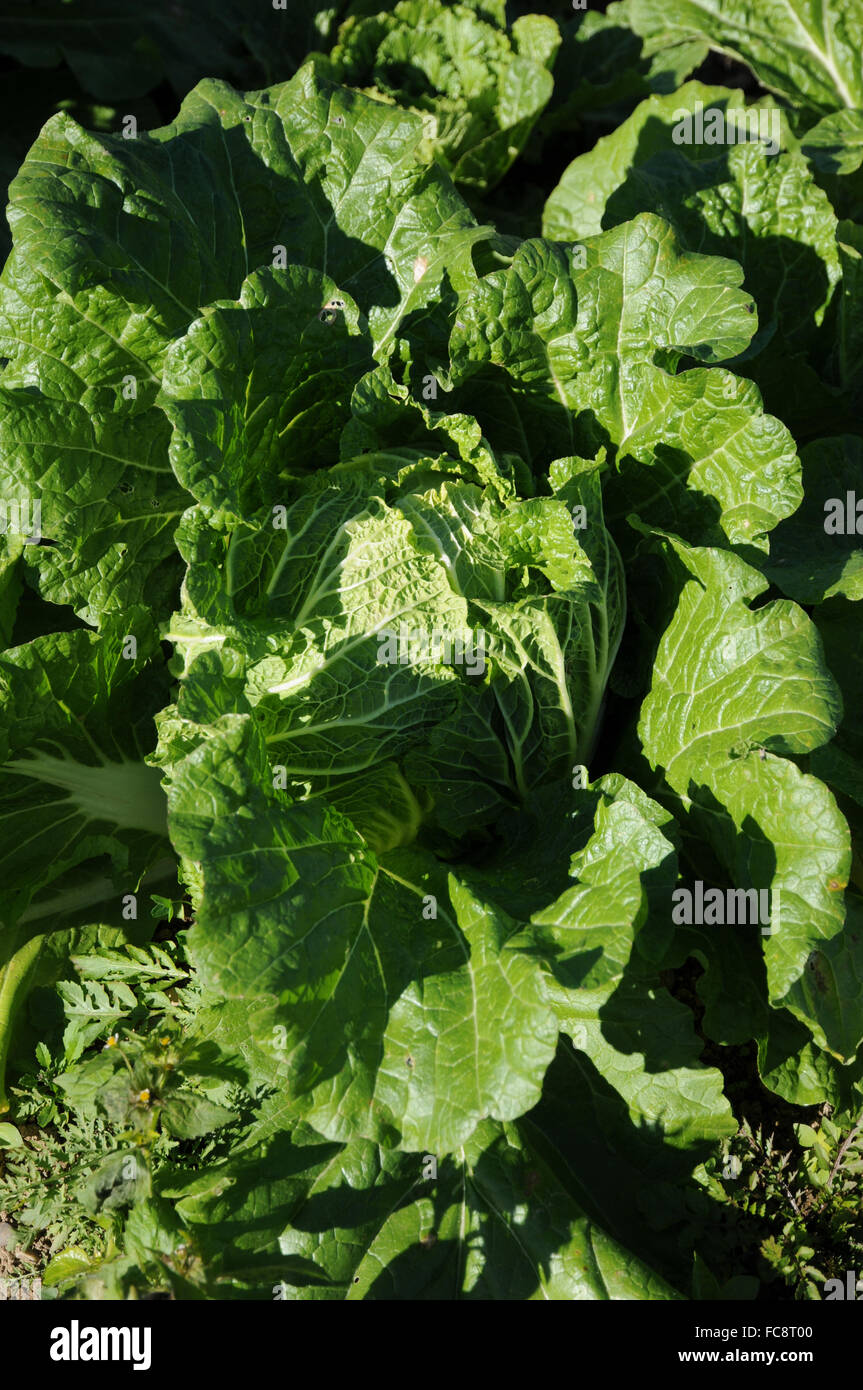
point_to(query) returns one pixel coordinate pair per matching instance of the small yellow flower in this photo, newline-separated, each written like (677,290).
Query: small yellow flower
(144,1097)
(164,1041)
(112,1041)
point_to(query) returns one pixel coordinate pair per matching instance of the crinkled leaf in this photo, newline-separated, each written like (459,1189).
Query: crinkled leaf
(555,357)
(746,200)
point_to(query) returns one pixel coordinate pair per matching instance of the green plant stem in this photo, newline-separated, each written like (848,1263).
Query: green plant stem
(13,982)
(843,1150)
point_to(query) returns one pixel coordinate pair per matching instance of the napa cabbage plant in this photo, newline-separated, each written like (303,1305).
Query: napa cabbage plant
(405,604)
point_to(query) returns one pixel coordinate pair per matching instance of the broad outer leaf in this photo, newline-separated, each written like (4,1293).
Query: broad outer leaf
(732,686)
(788,831)
(591,927)
(390,1022)
(795,1068)
(643,1044)
(491,1221)
(624,1171)
(807,51)
(120,243)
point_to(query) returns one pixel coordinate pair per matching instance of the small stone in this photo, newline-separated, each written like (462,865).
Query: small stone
(7,1236)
